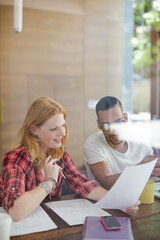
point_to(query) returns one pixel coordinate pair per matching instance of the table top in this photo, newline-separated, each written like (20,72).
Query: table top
(145,224)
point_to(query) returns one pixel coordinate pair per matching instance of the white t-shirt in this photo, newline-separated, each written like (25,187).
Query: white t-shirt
(96,149)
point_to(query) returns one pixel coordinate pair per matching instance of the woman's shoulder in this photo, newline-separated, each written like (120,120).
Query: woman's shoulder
(18,154)
(18,150)
(65,155)
(65,159)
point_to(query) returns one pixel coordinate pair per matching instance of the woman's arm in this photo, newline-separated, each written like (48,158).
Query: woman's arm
(97,193)
(27,202)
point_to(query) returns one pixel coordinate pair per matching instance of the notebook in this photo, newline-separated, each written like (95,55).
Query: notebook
(94,230)
(157,189)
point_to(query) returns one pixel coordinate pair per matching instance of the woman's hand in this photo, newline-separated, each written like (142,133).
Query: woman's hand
(50,168)
(133,209)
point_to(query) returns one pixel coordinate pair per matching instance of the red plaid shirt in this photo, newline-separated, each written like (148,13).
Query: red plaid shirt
(19,175)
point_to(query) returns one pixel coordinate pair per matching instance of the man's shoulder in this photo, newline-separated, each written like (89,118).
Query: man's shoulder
(141,147)
(137,144)
(95,138)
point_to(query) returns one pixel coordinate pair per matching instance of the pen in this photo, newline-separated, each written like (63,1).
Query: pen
(62,174)
(61,171)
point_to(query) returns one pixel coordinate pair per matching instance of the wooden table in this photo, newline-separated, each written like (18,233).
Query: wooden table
(145,225)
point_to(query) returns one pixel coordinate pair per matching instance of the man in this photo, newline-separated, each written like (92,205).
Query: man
(105,154)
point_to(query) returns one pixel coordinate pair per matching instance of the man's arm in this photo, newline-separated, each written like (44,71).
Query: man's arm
(103,174)
(106,179)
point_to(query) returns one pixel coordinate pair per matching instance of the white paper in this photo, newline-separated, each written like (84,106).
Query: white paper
(74,211)
(37,221)
(128,187)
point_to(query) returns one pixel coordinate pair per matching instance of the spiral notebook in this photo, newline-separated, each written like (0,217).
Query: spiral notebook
(157,189)
(94,230)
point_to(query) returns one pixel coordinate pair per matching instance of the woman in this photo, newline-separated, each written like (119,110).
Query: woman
(33,169)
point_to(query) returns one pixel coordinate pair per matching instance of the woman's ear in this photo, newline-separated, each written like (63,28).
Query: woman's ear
(125,117)
(33,129)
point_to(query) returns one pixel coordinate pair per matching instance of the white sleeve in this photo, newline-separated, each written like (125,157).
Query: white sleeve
(149,150)
(93,153)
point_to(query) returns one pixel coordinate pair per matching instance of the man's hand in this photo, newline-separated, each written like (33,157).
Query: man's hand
(156,170)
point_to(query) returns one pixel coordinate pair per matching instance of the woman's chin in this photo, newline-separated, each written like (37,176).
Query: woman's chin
(57,145)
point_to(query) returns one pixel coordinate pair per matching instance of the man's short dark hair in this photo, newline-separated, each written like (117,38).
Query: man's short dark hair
(106,103)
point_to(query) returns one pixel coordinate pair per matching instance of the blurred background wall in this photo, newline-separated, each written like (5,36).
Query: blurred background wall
(71,51)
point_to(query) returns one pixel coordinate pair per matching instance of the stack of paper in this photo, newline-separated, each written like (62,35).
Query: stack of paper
(74,211)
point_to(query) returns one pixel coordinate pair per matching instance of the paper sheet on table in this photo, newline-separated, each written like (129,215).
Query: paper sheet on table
(37,221)
(74,211)
(128,187)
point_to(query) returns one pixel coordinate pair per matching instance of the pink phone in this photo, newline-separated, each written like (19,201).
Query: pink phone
(110,223)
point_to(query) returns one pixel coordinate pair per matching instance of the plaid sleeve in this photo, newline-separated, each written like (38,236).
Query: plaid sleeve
(77,181)
(13,185)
